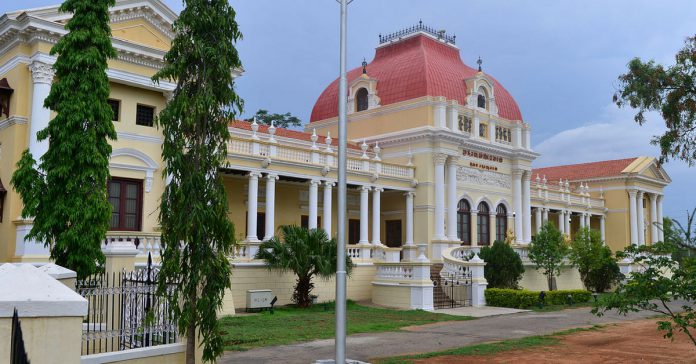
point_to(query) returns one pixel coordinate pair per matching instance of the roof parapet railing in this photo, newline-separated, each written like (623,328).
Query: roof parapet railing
(439,34)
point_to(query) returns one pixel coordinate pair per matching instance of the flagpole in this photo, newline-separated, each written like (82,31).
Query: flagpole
(341,231)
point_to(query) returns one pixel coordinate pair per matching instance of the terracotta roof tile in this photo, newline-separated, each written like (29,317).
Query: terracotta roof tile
(412,68)
(583,171)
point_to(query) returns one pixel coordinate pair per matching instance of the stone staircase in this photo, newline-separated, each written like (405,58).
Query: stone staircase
(440,299)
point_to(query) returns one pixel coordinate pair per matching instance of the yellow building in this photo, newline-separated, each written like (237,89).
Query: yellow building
(440,163)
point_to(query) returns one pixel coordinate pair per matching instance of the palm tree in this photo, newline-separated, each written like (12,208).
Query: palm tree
(307,253)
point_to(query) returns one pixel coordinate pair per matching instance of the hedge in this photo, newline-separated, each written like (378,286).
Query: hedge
(521,298)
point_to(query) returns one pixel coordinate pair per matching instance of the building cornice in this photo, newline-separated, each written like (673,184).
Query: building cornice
(13,120)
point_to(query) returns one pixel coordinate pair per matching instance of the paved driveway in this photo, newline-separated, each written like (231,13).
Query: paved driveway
(432,337)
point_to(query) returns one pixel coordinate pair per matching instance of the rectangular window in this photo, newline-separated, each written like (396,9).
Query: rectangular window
(304,221)
(393,233)
(126,198)
(353,231)
(483,132)
(115,107)
(260,225)
(145,115)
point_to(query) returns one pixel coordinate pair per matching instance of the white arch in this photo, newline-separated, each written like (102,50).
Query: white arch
(491,207)
(505,203)
(465,196)
(150,165)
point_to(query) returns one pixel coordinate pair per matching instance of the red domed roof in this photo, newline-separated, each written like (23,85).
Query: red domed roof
(415,67)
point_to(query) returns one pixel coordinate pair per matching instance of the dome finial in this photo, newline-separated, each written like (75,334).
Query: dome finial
(364,64)
(479,62)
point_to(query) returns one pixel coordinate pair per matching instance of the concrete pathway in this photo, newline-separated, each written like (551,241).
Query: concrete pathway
(432,337)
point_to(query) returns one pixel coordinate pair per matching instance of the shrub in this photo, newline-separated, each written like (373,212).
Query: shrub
(503,266)
(521,298)
(594,260)
(547,251)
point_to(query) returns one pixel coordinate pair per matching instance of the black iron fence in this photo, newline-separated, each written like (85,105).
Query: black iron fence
(450,291)
(18,355)
(125,311)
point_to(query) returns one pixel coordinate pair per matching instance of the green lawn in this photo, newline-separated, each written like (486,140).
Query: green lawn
(291,325)
(491,348)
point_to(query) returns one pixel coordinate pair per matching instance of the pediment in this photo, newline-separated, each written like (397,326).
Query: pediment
(140,31)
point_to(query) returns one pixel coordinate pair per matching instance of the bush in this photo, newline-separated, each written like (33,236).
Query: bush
(522,298)
(594,260)
(547,251)
(503,266)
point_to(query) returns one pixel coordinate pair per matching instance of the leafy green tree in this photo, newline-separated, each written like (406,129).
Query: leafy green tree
(66,193)
(671,91)
(649,288)
(595,262)
(504,267)
(197,236)
(547,251)
(307,253)
(286,120)
(681,235)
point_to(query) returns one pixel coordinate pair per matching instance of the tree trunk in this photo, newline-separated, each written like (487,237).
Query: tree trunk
(302,290)
(551,280)
(191,334)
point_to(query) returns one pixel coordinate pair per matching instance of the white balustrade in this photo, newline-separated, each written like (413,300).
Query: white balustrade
(353,252)
(403,272)
(145,242)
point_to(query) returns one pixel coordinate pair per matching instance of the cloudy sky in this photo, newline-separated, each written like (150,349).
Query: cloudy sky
(559,59)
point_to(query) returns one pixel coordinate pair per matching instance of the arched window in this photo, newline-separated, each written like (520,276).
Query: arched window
(500,222)
(361,99)
(483,224)
(464,222)
(481,100)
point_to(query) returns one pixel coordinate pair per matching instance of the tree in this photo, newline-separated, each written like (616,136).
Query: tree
(648,86)
(594,260)
(547,251)
(681,235)
(66,193)
(197,236)
(307,253)
(504,267)
(648,288)
(279,120)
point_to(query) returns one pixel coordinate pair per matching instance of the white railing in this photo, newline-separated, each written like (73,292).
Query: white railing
(522,252)
(455,262)
(145,242)
(394,271)
(353,253)
(240,251)
(315,157)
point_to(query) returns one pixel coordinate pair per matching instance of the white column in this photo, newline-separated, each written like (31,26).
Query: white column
(641,218)
(537,218)
(439,215)
(633,216)
(568,219)
(602,227)
(544,215)
(583,220)
(660,232)
(42,76)
(561,221)
(654,236)
(326,218)
(313,197)
(527,206)
(409,217)
(270,205)
(452,199)
(364,202)
(517,198)
(252,206)
(376,197)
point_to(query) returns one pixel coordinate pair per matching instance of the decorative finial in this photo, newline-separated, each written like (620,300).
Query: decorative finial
(364,64)
(314,139)
(271,132)
(254,129)
(377,149)
(410,158)
(327,140)
(364,147)
(420,21)
(479,62)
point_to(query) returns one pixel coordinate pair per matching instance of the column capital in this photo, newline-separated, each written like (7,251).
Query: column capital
(641,193)
(41,72)
(439,158)
(632,192)
(527,175)
(254,175)
(365,188)
(452,160)
(517,173)
(272,176)
(378,189)
(409,193)
(316,182)
(329,184)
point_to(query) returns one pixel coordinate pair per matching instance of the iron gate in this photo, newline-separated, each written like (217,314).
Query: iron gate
(450,291)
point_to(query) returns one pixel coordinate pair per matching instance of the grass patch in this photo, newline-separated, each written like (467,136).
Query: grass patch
(292,325)
(491,348)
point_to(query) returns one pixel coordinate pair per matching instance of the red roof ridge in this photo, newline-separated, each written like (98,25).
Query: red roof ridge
(587,170)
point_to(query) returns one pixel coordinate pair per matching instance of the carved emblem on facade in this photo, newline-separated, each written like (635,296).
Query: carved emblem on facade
(485,178)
